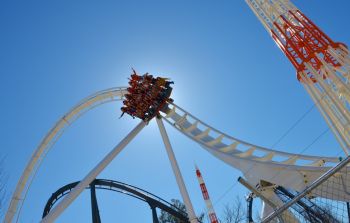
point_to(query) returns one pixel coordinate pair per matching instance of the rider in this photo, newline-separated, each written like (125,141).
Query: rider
(124,109)
(167,84)
(161,81)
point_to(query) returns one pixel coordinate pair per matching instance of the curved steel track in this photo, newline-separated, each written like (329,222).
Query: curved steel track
(111,185)
(290,170)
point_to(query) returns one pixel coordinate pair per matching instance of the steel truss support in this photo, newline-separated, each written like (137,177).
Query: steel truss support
(257,193)
(94,206)
(154,214)
(302,194)
(323,66)
(177,173)
(56,211)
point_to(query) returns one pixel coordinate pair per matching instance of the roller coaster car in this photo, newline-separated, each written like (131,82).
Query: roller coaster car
(146,96)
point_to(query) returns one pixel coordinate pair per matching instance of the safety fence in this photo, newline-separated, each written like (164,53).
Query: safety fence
(326,200)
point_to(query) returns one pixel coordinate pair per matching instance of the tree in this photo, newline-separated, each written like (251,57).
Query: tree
(165,217)
(234,213)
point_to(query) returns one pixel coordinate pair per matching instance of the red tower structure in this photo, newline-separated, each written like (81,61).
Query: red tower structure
(323,66)
(211,212)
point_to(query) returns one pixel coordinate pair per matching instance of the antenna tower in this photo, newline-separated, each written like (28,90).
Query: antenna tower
(211,212)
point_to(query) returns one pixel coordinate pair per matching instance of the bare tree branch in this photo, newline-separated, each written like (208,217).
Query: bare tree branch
(165,217)
(234,213)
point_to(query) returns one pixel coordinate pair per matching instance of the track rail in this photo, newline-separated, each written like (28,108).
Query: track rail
(51,137)
(257,163)
(210,137)
(286,169)
(123,188)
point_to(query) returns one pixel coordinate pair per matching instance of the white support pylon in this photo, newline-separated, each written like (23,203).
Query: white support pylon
(67,200)
(177,173)
(211,212)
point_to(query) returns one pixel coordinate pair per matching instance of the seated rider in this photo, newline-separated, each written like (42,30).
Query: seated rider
(161,81)
(148,77)
(168,92)
(124,109)
(133,84)
(167,84)
(151,111)
(131,90)
(127,96)
(135,77)
(131,111)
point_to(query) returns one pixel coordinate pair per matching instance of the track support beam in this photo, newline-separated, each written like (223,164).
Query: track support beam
(154,214)
(56,211)
(177,173)
(94,205)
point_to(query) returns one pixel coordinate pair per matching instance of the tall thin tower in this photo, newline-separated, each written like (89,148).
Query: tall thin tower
(323,66)
(211,212)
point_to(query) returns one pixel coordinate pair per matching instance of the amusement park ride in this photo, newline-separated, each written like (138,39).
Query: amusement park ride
(323,68)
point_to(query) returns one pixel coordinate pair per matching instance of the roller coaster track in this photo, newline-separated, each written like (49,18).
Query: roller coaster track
(292,171)
(111,185)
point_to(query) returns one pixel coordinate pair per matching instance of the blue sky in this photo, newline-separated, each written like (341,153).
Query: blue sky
(227,72)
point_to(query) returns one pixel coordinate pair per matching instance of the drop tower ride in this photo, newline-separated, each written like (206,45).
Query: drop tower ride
(322,65)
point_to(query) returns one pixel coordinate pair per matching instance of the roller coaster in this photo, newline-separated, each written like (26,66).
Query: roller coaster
(278,167)
(322,68)
(152,200)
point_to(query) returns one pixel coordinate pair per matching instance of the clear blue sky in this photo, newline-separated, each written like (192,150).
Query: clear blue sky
(226,68)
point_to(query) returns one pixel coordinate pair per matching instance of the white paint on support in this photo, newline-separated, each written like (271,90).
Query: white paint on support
(202,134)
(331,117)
(230,148)
(52,136)
(215,141)
(317,163)
(172,111)
(177,172)
(192,127)
(267,157)
(291,160)
(181,120)
(247,153)
(67,200)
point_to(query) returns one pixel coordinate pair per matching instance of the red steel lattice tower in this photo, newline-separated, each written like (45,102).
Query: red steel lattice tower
(323,66)
(211,212)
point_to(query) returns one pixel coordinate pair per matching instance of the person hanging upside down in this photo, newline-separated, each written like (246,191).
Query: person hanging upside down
(145,95)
